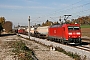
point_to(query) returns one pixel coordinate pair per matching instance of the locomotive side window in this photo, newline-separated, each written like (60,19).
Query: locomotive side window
(73,28)
(76,28)
(70,28)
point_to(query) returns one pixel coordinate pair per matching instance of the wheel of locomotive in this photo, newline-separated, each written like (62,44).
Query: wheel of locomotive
(48,38)
(62,41)
(55,39)
(80,42)
(66,42)
(59,40)
(52,39)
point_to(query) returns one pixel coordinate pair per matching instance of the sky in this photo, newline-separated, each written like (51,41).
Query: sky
(17,11)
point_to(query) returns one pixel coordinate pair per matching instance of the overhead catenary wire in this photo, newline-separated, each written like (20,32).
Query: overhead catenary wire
(79,13)
(61,9)
(76,7)
(68,9)
(71,7)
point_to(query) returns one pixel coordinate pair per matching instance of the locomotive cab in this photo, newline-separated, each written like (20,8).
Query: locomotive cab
(73,33)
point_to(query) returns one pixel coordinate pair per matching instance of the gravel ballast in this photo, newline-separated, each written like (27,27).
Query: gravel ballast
(80,52)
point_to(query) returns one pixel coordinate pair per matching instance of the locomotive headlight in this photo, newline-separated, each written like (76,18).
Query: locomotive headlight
(79,36)
(78,33)
(70,33)
(69,36)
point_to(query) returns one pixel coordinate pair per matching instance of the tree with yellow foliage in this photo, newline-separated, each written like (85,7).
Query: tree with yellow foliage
(47,23)
(2,20)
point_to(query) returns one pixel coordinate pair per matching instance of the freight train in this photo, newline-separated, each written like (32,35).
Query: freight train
(66,33)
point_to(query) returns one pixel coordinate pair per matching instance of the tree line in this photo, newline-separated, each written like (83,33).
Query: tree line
(84,20)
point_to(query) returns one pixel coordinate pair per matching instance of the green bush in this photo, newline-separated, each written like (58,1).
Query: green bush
(75,56)
(23,52)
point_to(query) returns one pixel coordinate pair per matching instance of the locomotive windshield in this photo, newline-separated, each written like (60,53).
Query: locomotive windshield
(73,28)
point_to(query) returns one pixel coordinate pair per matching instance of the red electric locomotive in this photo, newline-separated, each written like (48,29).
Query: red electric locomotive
(66,33)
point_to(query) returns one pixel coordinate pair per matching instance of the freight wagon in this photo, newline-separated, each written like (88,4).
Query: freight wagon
(32,31)
(21,31)
(41,32)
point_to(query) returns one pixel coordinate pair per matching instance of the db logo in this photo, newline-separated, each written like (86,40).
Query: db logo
(54,31)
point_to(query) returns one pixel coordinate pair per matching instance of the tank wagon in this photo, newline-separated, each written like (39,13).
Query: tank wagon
(42,32)
(66,33)
(32,30)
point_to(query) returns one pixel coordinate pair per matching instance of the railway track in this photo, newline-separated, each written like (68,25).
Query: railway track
(82,47)
(85,45)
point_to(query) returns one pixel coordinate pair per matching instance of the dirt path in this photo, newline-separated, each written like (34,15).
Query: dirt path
(41,52)
(5,50)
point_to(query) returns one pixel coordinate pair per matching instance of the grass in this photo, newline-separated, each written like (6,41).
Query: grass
(21,50)
(85,26)
(75,56)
